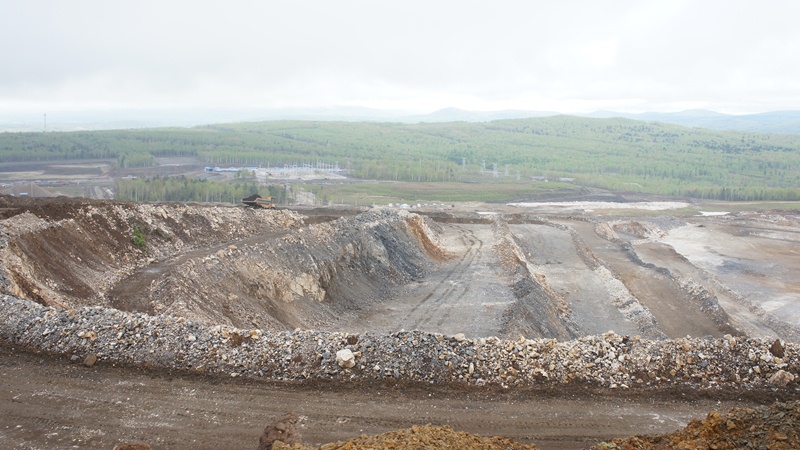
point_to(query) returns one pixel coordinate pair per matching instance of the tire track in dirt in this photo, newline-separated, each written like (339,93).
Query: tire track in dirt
(451,283)
(467,293)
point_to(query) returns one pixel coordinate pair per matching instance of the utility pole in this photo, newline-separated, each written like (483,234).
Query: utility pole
(45,124)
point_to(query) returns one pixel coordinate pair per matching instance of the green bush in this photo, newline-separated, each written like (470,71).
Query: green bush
(138,239)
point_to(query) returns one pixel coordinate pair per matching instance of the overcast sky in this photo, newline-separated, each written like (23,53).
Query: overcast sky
(740,56)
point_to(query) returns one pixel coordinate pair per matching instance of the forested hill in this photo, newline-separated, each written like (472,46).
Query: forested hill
(607,153)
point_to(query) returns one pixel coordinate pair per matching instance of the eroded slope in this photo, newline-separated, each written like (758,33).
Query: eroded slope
(386,270)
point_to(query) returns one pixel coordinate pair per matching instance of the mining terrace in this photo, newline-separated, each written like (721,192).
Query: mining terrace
(494,318)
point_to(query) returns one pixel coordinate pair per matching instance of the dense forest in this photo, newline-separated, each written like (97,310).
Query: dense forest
(617,154)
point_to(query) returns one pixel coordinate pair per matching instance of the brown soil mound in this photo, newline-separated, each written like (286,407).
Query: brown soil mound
(419,437)
(774,427)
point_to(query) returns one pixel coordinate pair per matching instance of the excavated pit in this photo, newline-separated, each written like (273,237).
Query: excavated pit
(462,300)
(385,270)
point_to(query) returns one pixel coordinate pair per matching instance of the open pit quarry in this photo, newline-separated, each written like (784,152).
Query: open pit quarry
(377,319)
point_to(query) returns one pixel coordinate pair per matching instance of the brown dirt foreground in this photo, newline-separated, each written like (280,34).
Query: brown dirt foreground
(774,427)
(427,436)
(48,402)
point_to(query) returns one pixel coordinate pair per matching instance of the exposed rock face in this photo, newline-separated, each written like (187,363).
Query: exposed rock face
(305,278)
(71,252)
(279,275)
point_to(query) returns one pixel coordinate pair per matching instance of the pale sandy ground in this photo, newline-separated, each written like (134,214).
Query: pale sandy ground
(593,206)
(757,261)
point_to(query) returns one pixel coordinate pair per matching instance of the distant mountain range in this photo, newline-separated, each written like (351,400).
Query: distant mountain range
(787,122)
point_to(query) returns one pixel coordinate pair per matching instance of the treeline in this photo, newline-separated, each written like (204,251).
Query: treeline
(182,189)
(607,153)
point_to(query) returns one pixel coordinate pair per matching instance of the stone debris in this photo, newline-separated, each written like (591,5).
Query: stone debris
(283,430)
(609,360)
(90,360)
(767,427)
(777,349)
(781,378)
(345,358)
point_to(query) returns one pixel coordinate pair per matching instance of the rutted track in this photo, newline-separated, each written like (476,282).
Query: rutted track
(466,294)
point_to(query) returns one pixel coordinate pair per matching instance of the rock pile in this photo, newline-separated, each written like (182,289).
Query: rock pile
(283,430)
(608,360)
(773,427)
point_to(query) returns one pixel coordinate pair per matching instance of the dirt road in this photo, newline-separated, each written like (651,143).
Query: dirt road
(48,402)
(466,294)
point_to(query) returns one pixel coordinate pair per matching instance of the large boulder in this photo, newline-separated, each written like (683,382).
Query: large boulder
(781,378)
(345,358)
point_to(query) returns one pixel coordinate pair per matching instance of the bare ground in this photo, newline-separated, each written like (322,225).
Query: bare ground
(740,273)
(467,293)
(48,402)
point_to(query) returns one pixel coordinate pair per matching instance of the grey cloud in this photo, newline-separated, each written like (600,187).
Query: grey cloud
(490,55)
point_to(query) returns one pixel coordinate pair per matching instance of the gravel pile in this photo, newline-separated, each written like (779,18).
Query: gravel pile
(609,360)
